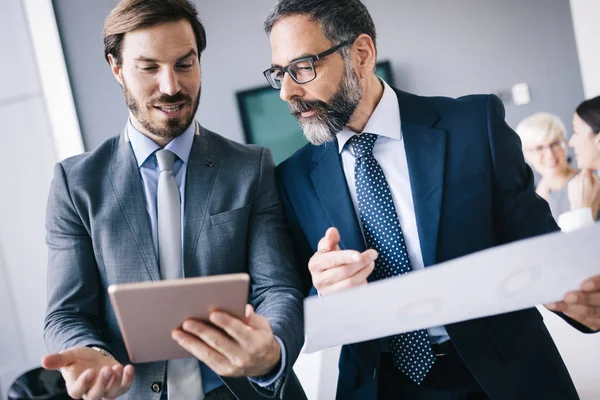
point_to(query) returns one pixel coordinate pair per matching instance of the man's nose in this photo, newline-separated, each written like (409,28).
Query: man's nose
(169,84)
(289,88)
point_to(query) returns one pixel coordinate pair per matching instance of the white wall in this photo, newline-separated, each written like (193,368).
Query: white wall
(26,159)
(436,47)
(580,352)
(11,345)
(587,32)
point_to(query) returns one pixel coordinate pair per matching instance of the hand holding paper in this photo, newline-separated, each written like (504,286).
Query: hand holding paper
(582,305)
(494,281)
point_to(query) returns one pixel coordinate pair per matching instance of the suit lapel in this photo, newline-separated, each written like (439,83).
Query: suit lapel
(331,187)
(425,152)
(202,170)
(127,185)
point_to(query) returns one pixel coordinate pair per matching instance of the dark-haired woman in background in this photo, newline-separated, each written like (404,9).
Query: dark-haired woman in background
(584,188)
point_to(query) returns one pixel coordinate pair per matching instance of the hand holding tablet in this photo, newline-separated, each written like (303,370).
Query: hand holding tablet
(148,312)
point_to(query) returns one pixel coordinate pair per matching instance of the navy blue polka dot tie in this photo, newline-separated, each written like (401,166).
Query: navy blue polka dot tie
(411,351)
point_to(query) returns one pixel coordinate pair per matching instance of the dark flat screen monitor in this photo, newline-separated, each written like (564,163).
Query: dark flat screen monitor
(267,120)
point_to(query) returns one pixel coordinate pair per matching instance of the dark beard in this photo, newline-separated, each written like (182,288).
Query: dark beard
(174,126)
(331,117)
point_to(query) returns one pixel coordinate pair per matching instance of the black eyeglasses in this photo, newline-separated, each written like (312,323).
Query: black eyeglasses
(301,70)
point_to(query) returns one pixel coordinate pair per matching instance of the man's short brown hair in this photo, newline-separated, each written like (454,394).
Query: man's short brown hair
(130,15)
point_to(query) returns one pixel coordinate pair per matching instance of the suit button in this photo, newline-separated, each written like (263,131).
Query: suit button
(156,387)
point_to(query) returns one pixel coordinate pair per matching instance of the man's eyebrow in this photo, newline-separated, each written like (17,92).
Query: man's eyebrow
(305,55)
(149,59)
(192,52)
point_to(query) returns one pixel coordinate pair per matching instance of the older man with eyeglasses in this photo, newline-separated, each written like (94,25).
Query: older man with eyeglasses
(397,182)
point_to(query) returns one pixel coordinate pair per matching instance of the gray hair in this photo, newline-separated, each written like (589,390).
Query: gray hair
(341,20)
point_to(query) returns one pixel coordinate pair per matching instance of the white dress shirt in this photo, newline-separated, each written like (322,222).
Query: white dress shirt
(575,219)
(390,154)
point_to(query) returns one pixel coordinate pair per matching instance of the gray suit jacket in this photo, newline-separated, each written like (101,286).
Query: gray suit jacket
(98,234)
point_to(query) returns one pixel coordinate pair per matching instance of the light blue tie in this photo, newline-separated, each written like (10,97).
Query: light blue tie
(411,351)
(184,380)
(169,218)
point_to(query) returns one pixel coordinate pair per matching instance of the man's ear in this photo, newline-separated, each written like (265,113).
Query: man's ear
(365,55)
(115,68)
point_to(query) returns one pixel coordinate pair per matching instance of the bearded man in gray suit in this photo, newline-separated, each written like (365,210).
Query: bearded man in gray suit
(104,227)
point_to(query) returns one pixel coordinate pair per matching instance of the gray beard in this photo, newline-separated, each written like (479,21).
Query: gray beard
(333,116)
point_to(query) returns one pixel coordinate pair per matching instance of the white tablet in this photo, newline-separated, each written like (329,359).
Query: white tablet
(147,312)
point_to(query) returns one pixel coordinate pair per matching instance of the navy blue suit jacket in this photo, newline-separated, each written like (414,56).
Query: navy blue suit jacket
(472,190)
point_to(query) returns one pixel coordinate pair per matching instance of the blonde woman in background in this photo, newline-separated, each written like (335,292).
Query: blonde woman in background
(544,139)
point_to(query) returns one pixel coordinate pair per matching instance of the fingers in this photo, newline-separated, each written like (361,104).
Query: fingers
(255,351)
(241,332)
(90,375)
(589,179)
(211,336)
(591,285)
(587,176)
(587,315)
(589,295)
(334,275)
(58,360)
(114,386)
(581,306)
(121,382)
(82,384)
(330,241)
(331,268)
(580,179)
(358,279)
(255,320)
(127,380)
(583,190)
(586,297)
(236,350)
(203,352)
(248,311)
(590,299)
(96,392)
(323,261)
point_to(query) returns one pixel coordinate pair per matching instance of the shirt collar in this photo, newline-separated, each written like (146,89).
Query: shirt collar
(143,147)
(385,120)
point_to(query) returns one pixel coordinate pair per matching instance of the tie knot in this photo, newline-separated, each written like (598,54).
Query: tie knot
(363,144)
(165,159)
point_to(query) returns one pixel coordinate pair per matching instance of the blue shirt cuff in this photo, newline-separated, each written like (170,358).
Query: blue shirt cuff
(267,380)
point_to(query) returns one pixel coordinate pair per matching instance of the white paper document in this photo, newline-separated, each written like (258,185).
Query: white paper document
(499,280)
